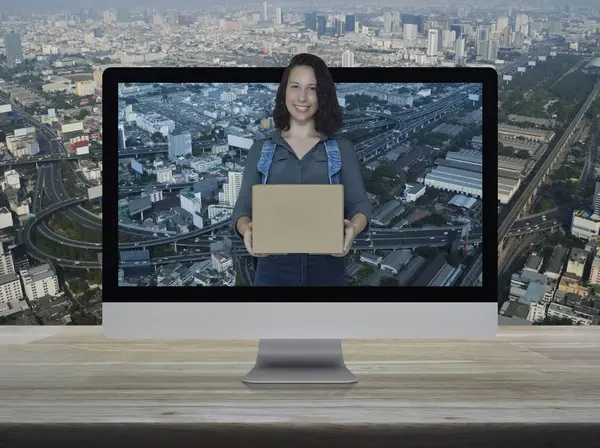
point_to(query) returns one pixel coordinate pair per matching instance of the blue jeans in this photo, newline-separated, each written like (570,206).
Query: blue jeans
(300,270)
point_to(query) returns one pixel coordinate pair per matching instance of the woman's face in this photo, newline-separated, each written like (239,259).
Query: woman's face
(301,93)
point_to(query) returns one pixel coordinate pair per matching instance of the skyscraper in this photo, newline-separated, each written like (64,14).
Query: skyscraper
(347,59)
(350,23)
(310,21)
(14,50)
(596,200)
(278,16)
(321,25)
(432,42)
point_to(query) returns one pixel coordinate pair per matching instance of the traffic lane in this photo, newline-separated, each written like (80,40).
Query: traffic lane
(50,234)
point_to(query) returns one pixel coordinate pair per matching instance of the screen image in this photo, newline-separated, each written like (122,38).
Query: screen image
(182,151)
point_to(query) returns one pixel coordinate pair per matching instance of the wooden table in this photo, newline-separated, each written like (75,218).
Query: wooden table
(528,375)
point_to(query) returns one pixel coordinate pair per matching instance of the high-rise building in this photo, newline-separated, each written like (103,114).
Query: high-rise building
(339,27)
(448,38)
(310,21)
(321,25)
(180,144)
(347,59)
(278,16)
(7,265)
(10,291)
(39,281)
(460,51)
(350,23)
(387,22)
(14,49)
(122,144)
(596,201)
(432,42)
(231,189)
(265,12)
(409,32)
(502,23)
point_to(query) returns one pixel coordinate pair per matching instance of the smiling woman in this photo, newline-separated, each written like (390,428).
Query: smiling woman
(304,149)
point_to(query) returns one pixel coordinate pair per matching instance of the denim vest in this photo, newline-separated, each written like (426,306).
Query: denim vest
(334,160)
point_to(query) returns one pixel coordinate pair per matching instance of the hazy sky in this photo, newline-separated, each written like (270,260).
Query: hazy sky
(76,5)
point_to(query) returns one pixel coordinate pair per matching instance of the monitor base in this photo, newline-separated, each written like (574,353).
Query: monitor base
(300,361)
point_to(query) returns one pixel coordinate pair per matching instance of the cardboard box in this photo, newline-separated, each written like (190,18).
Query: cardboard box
(298,219)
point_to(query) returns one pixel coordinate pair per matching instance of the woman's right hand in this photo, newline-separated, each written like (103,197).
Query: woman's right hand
(248,240)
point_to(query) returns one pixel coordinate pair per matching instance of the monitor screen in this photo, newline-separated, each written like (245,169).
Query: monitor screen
(182,149)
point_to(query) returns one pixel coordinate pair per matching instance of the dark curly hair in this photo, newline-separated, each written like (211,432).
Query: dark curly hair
(329,118)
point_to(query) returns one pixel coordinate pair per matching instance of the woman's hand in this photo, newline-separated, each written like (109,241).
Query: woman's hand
(248,240)
(349,235)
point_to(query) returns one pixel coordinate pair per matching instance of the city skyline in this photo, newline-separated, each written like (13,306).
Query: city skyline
(546,57)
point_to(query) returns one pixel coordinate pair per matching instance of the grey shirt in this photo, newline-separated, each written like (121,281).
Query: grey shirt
(286,168)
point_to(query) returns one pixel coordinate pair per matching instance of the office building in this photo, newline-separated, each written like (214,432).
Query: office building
(596,199)
(231,189)
(594,278)
(348,59)
(321,25)
(121,136)
(585,224)
(39,281)
(5,218)
(180,144)
(310,21)
(278,16)
(387,22)
(14,49)
(409,33)
(432,42)
(350,23)
(576,264)
(10,292)
(7,265)
(153,123)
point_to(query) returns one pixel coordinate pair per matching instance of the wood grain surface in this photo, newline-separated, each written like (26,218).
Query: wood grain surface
(74,375)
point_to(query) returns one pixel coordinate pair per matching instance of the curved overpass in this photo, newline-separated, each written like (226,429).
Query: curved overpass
(38,254)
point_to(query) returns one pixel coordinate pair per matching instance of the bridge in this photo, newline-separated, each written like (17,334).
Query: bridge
(32,250)
(381,238)
(34,160)
(408,239)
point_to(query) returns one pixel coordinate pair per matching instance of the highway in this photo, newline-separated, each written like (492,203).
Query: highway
(25,237)
(172,239)
(50,183)
(163,186)
(360,245)
(519,204)
(398,239)
(41,159)
(56,192)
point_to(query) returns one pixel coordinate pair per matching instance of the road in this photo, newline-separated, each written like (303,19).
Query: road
(408,238)
(25,237)
(519,204)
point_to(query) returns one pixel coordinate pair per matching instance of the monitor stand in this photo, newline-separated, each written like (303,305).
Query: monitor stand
(300,361)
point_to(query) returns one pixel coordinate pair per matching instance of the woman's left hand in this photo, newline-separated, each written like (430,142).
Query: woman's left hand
(349,235)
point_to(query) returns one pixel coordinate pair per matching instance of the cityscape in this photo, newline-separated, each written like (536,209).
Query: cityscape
(181,150)
(184,198)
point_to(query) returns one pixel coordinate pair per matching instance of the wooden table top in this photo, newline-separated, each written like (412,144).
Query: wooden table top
(526,375)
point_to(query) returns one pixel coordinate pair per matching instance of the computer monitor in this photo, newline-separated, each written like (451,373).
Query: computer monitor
(426,268)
